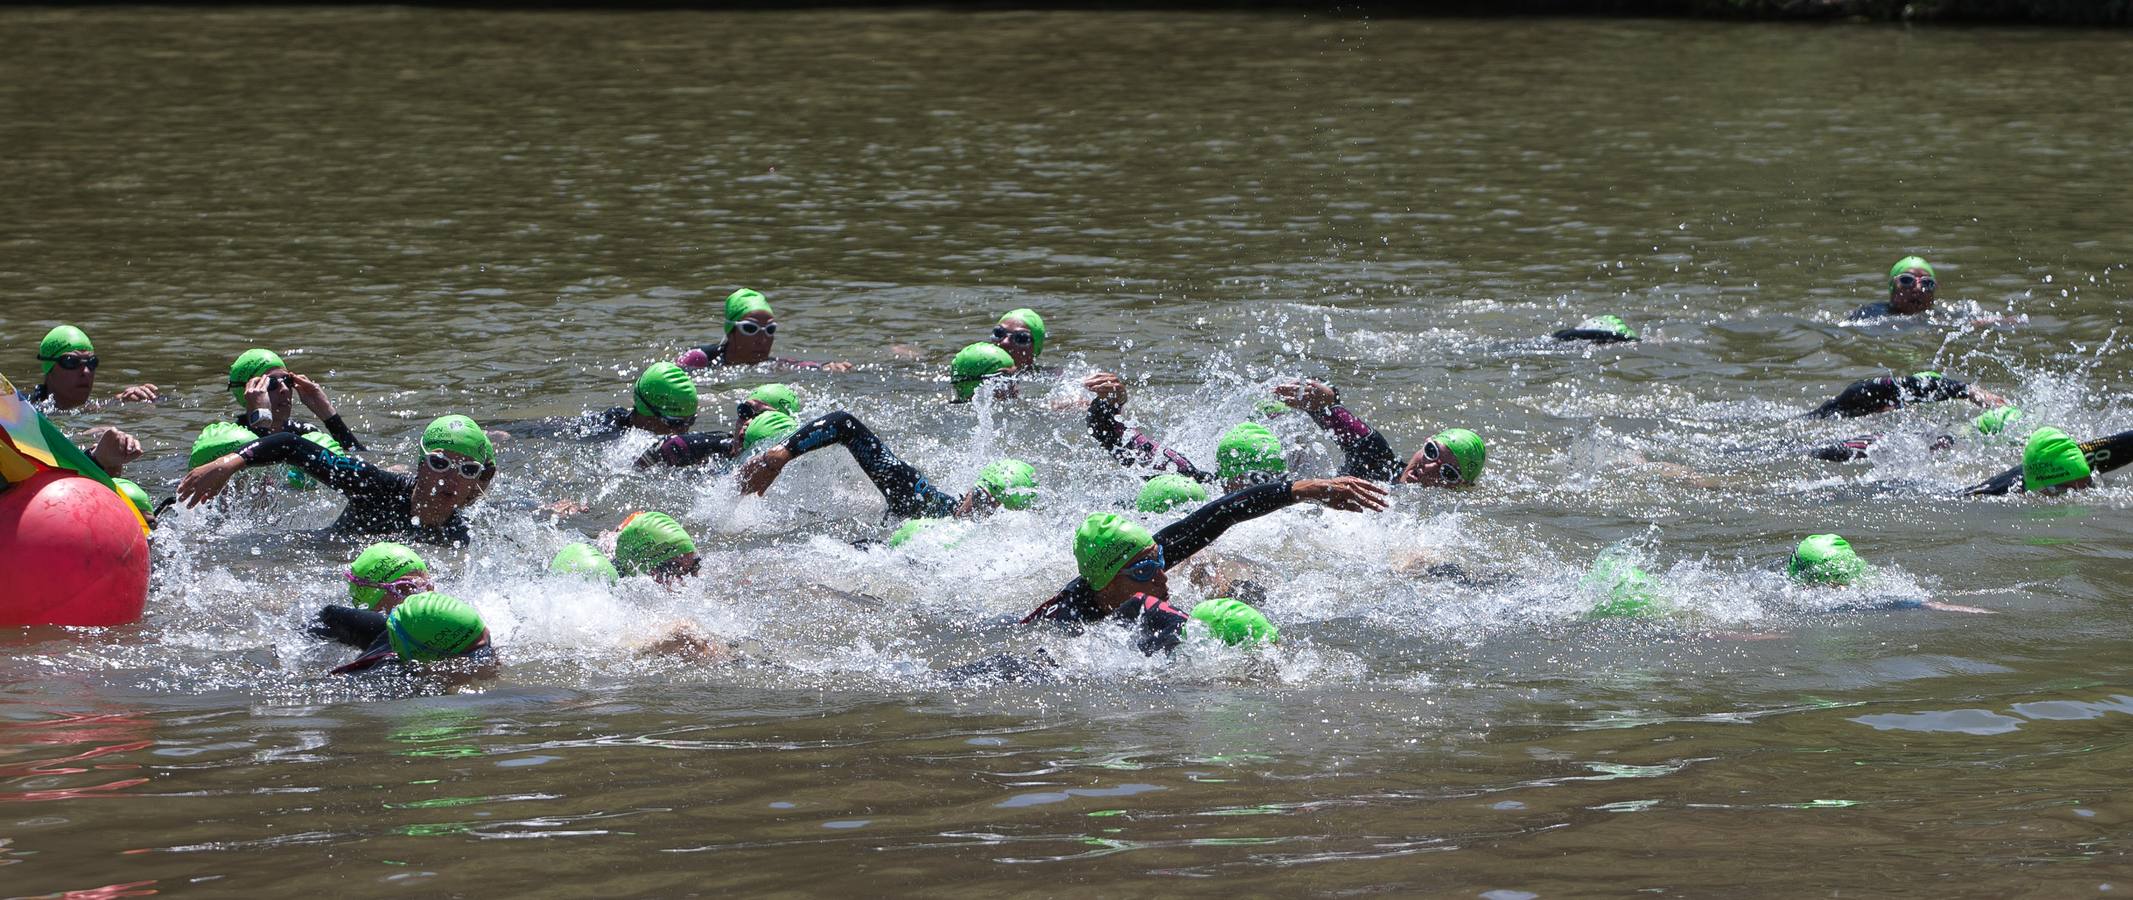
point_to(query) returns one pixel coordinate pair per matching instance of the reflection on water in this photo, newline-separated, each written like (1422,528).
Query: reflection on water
(509,215)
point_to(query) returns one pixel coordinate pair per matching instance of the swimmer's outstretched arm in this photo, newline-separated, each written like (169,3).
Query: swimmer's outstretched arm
(906,489)
(1136,449)
(692,449)
(1365,453)
(352,477)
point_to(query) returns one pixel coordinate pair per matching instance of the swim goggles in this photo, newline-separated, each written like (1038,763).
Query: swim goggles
(1445,470)
(1146,570)
(1908,281)
(749,327)
(1022,338)
(439,462)
(70,363)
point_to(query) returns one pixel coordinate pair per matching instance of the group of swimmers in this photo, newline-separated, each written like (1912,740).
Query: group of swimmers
(396,617)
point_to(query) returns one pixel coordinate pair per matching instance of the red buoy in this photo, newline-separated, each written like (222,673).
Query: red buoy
(71,553)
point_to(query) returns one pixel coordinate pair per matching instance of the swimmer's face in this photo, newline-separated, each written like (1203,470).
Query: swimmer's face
(71,387)
(977,504)
(744,347)
(1431,466)
(1156,586)
(1014,336)
(674,571)
(1913,292)
(2087,481)
(441,481)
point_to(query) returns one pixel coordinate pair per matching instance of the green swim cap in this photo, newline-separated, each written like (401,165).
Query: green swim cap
(1003,477)
(251,364)
(135,495)
(1270,407)
(298,478)
(1036,328)
(382,563)
(767,427)
(1993,421)
(1468,452)
(1248,447)
(910,529)
(1628,591)
(584,560)
(742,302)
(1608,323)
(431,626)
(460,435)
(2051,459)
(1235,622)
(975,363)
(1167,491)
(69,339)
(665,389)
(1825,559)
(1104,543)
(779,397)
(219,440)
(1906,263)
(648,541)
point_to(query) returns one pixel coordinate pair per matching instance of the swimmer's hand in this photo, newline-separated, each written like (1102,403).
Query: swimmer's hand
(314,397)
(255,392)
(1107,387)
(114,449)
(566,508)
(1345,493)
(836,367)
(1986,398)
(1950,607)
(139,393)
(1307,395)
(202,484)
(756,476)
(906,351)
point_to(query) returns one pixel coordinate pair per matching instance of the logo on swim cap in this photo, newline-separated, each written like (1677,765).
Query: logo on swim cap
(742,302)
(974,364)
(1247,448)
(1103,545)
(459,434)
(2051,459)
(665,389)
(432,626)
(1011,482)
(1825,559)
(1168,491)
(59,341)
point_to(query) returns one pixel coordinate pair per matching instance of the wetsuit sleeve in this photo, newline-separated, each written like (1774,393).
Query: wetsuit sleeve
(340,431)
(1846,450)
(703,357)
(346,474)
(693,449)
(1157,626)
(1366,454)
(357,628)
(1871,311)
(1137,449)
(906,489)
(1861,398)
(1932,389)
(1193,533)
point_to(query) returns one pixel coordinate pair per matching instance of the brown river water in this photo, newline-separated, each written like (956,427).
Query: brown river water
(508,215)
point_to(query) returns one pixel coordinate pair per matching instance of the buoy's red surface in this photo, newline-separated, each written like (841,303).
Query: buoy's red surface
(71,553)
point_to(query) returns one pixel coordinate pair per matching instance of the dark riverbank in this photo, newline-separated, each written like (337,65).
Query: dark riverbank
(2041,12)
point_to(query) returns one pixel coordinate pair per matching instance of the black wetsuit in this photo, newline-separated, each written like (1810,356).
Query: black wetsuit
(1877,395)
(1158,626)
(335,428)
(1595,335)
(694,448)
(1852,448)
(909,494)
(379,502)
(1881,310)
(358,628)
(380,652)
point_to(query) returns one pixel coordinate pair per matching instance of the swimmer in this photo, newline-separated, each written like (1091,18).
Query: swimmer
(700,447)
(1911,287)
(266,387)
(1005,483)
(382,577)
(750,331)
(1123,568)
(979,364)
(1021,334)
(1990,424)
(1828,560)
(1869,396)
(70,374)
(458,462)
(1453,457)
(585,561)
(427,628)
(1599,330)
(663,402)
(2053,464)
(653,543)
